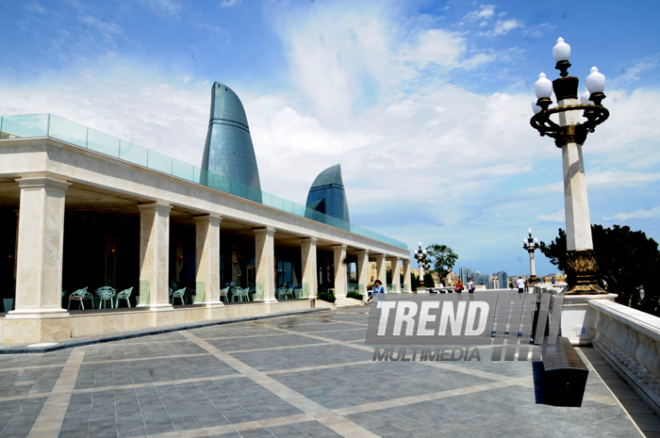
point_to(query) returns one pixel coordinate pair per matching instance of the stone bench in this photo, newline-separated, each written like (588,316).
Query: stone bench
(565,374)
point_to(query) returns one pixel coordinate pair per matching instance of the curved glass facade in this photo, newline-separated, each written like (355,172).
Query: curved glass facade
(327,194)
(228,150)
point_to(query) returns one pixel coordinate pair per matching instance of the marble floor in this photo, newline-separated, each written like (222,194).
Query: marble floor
(306,375)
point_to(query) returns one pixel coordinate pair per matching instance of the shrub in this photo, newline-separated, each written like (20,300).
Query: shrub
(327,296)
(355,295)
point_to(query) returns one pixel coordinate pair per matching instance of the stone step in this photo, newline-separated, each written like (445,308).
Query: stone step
(348,302)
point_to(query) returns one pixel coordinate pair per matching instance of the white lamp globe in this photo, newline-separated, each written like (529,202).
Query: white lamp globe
(543,87)
(595,81)
(536,241)
(584,98)
(561,51)
(525,242)
(536,108)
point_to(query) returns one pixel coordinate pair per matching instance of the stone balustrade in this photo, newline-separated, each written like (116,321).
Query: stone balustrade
(629,340)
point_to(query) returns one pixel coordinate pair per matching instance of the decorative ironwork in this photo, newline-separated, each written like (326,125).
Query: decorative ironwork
(595,115)
(582,273)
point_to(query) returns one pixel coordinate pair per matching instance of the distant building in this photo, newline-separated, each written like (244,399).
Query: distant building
(228,151)
(502,280)
(327,194)
(478,278)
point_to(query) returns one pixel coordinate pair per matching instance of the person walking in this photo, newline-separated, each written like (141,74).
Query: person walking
(378,293)
(470,286)
(459,287)
(520,284)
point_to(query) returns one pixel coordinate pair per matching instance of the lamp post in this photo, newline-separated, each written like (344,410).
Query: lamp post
(424,265)
(569,135)
(530,245)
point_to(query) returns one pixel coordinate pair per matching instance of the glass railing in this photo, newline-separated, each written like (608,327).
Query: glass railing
(50,125)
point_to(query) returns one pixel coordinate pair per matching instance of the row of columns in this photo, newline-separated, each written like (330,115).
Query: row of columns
(41,242)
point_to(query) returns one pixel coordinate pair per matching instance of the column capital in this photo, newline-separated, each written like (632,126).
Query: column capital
(397,258)
(343,245)
(313,240)
(363,252)
(268,230)
(213,218)
(158,206)
(39,182)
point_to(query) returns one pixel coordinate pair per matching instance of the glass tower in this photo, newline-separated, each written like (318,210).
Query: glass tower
(228,150)
(327,194)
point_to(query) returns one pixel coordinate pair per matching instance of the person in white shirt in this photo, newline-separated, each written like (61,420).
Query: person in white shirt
(520,284)
(470,285)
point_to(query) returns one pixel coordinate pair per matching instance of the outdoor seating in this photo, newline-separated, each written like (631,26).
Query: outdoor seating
(80,295)
(223,294)
(124,295)
(179,294)
(289,293)
(281,293)
(240,294)
(106,293)
(565,375)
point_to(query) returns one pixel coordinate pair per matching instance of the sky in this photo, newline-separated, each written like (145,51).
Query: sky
(425,104)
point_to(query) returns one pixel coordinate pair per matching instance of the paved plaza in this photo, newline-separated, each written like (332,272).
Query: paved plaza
(297,376)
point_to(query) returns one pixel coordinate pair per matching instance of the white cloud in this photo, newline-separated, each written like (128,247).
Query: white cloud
(557,216)
(230,3)
(35,7)
(639,214)
(163,7)
(620,178)
(631,74)
(484,13)
(504,27)
(375,96)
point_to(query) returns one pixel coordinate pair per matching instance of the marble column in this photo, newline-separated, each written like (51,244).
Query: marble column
(309,269)
(40,248)
(363,271)
(264,248)
(207,258)
(407,280)
(341,280)
(154,256)
(396,276)
(381,270)
(16,244)
(581,263)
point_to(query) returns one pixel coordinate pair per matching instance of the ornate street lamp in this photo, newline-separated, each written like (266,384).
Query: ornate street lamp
(569,135)
(424,265)
(530,245)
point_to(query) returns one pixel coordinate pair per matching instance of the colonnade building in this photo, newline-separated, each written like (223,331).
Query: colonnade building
(82,209)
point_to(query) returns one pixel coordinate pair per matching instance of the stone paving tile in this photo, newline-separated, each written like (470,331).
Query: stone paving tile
(254,343)
(301,357)
(143,387)
(116,373)
(19,416)
(348,335)
(339,387)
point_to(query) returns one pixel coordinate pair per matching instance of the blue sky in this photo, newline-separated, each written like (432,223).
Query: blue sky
(426,105)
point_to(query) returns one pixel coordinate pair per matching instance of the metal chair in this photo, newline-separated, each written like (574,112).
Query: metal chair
(106,293)
(124,295)
(178,294)
(223,294)
(80,295)
(281,293)
(236,293)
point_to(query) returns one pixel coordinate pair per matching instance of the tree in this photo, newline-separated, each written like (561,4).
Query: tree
(443,259)
(628,264)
